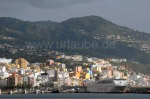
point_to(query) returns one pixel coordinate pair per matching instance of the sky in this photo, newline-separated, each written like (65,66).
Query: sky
(130,13)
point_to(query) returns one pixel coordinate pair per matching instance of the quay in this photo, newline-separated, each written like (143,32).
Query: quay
(73,89)
(139,90)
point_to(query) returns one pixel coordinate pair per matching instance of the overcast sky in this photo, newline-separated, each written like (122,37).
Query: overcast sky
(131,13)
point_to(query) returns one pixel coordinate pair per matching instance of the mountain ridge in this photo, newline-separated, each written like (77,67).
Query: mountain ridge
(129,42)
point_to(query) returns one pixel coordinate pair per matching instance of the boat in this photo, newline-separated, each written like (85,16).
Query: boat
(108,86)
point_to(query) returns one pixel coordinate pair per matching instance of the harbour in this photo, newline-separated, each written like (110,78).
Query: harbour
(76,96)
(76,89)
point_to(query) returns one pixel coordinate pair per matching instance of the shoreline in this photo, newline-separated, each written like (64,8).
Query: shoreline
(19,93)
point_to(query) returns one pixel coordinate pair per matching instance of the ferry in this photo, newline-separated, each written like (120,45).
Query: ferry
(108,86)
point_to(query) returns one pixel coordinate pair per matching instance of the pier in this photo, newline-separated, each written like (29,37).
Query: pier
(72,89)
(139,90)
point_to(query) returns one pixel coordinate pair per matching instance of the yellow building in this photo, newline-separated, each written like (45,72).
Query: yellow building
(87,76)
(21,63)
(34,67)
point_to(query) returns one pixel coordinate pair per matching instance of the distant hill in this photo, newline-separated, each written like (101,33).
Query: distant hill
(130,44)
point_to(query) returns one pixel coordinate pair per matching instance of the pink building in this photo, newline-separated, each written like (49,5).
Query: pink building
(32,80)
(78,69)
(49,62)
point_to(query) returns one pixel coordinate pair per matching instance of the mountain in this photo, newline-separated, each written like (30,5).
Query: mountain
(127,43)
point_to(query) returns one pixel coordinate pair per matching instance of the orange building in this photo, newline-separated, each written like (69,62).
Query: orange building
(77,74)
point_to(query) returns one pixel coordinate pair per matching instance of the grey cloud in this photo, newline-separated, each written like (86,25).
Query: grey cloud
(55,3)
(43,3)
(130,13)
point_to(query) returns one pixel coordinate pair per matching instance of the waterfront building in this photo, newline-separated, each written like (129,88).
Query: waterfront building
(44,77)
(76,74)
(32,80)
(14,80)
(86,76)
(25,79)
(60,79)
(13,70)
(3,72)
(51,72)
(4,75)
(2,69)
(74,81)
(67,81)
(21,71)
(3,83)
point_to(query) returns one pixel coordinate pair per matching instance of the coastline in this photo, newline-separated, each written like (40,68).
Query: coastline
(50,92)
(76,96)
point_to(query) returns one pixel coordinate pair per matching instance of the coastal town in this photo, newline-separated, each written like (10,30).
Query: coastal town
(19,75)
(74,49)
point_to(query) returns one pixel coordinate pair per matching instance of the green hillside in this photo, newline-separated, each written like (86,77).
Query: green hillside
(128,42)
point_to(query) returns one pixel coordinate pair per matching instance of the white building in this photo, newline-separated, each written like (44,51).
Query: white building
(5,60)
(3,72)
(77,57)
(139,80)
(4,75)
(118,60)
(21,71)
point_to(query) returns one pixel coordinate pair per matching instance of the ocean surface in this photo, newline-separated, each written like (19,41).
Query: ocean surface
(75,96)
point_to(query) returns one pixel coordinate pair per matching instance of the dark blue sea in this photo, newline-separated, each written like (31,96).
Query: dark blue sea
(75,96)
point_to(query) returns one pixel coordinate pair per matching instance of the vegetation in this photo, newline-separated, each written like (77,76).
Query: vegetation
(16,33)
